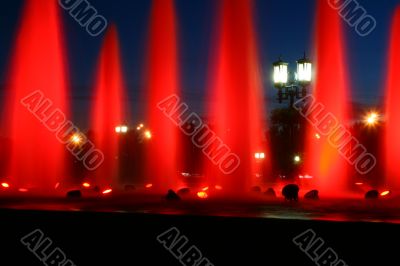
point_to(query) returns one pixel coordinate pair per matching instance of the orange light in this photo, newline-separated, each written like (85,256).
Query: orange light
(86,185)
(107,191)
(205,189)
(218,187)
(5,185)
(317,136)
(359,184)
(76,139)
(149,186)
(371,119)
(22,190)
(385,193)
(202,194)
(148,134)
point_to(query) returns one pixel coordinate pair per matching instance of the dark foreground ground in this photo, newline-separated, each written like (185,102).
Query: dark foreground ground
(117,231)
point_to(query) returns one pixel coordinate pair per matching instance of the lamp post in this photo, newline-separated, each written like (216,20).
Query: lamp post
(292,89)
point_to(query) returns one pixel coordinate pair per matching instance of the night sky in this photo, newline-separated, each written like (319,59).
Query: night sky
(284,27)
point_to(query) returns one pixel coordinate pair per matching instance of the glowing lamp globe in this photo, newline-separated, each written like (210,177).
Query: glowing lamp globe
(280,74)
(304,71)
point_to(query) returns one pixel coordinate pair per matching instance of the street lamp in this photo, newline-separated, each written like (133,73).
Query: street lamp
(121,129)
(297,159)
(76,139)
(304,71)
(280,74)
(147,134)
(259,155)
(296,89)
(372,119)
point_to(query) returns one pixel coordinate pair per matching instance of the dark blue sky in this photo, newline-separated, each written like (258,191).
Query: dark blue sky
(284,27)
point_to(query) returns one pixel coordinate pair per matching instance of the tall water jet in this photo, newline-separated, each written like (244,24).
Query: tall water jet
(38,63)
(236,98)
(323,160)
(162,82)
(108,112)
(391,147)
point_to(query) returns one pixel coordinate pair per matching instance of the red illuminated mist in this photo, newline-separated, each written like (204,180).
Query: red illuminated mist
(391,147)
(38,63)
(323,161)
(162,82)
(108,108)
(235,95)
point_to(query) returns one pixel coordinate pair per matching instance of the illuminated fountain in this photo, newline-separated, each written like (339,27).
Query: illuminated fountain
(38,64)
(391,147)
(108,109)
(323,160)
(162,82)
(237,108)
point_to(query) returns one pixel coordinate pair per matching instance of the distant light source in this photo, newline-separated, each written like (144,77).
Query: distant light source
(107,191)
(23,190)
(148,134)
(87,185)
(385,193)
(205,188)
(57,185)
(76,139)
(259,155)
(149,186)
(140,126)
(297,159)
(217,187)
(121,129)
(202,194)
(5,185)
(317,136)
(304,70)
(306,177)
(371,119)
(280,73)
(359,184)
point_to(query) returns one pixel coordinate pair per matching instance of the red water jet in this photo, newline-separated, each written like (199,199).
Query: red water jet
(162,82)
(38,63)
(391,147)
(324,161)
(108,108)
(235,96)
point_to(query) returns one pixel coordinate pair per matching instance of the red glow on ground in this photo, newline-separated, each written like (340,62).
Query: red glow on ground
(162,82)
(235,95)
(391,149)
(23,190)
(5,185)
(38,63)
(202,195)
(205,189)
(86,185)
(359,184)
(324,161)
(149,186)
(57,185)
(218,187)
(108,108)
(107,191)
